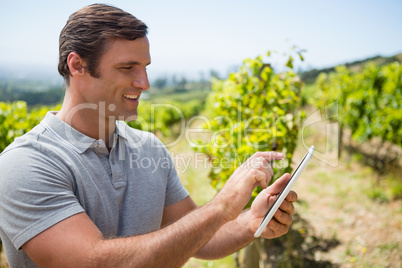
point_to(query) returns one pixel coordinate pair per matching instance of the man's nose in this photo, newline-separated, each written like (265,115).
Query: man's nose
(141,81)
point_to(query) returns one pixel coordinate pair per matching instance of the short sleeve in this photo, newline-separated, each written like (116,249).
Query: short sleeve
(175,191)
(35,193)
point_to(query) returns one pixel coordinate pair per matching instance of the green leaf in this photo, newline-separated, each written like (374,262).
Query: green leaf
(289,63)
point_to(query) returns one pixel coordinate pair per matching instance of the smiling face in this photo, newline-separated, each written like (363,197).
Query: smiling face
(122,79)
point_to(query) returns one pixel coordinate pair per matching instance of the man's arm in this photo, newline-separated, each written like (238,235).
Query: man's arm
(236,234)
(76,241)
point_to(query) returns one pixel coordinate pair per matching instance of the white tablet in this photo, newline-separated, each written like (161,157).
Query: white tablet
(282,195)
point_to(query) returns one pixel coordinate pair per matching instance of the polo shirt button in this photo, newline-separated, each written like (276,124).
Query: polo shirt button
(97,146)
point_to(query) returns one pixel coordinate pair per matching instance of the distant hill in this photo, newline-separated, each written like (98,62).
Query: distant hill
(310,76)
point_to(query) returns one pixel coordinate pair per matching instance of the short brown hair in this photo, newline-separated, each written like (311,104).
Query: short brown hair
(88,30)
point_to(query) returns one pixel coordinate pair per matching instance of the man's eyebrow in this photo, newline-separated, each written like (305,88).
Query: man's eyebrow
(133,63)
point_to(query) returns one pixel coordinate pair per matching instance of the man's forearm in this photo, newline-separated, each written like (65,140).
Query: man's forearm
(183,238)
(231,237)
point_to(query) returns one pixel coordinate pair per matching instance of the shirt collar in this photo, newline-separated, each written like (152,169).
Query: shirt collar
(121,129)
(71,137)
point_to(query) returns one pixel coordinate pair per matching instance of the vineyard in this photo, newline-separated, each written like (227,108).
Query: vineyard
(253,110)
(369,102)
(259,109)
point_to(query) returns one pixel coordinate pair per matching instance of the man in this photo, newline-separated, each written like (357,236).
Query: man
(73,191)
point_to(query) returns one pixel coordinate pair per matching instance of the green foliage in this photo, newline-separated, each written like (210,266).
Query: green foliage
(378,194)
(255,109)
(48,96)
(385,189)
(370,102)
(309,77)
(161,117)
(15,120)
(181,97)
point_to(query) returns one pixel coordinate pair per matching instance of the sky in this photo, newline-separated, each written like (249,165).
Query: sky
(193,37)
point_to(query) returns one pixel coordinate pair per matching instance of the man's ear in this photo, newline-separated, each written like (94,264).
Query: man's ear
(76,64)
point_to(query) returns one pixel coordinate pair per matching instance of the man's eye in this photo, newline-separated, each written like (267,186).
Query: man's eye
(126,67)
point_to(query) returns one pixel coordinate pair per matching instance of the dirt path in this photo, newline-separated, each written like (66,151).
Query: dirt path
(335,202)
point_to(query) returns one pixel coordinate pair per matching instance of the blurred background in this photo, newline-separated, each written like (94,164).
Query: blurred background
(192,38)
(332,78)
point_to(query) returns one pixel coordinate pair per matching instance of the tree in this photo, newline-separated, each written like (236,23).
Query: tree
(254,109)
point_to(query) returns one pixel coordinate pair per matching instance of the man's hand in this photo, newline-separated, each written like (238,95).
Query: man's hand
(237,190)
(240,232)
(279,225)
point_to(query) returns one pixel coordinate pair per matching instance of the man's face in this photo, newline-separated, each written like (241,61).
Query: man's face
(122,79)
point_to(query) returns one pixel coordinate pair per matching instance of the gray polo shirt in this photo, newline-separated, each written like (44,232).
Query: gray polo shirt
(54,172)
